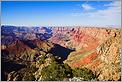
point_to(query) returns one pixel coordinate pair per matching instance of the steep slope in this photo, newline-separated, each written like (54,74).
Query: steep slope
(80,38)
(19,51)
(19,55)
(104,60)
(97,49)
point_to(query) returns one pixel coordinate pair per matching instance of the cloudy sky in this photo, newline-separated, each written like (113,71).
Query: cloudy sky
(85,13)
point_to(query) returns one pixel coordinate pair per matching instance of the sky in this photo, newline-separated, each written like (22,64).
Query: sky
(64,13)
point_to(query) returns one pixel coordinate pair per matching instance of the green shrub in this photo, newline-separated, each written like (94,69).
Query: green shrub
(84,73)
(28,77)
(55,72)
(27,73)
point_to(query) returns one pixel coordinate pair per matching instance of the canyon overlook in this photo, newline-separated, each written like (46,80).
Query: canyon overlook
(95,48)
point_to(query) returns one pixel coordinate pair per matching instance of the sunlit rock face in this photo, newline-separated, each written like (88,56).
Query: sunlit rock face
(79,37)
(95,48)
(102,53)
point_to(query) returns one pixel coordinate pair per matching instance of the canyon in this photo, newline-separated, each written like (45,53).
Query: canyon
(97,49)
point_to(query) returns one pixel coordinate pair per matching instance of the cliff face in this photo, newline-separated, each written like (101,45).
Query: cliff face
(97,49)
(103,58)
(80,38)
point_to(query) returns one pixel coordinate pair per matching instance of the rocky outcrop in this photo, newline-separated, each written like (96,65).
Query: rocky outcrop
(79,38)
(97,49)
(104,59)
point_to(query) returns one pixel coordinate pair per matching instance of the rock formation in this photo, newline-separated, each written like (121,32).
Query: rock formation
(97,49)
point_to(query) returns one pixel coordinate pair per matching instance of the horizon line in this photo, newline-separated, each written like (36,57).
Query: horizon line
(97,26)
